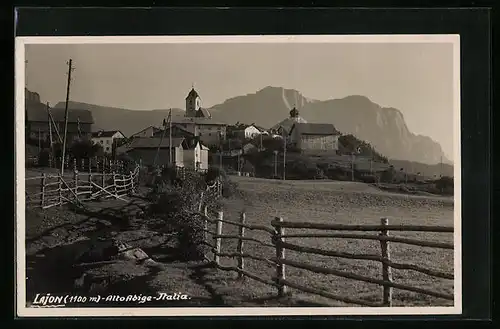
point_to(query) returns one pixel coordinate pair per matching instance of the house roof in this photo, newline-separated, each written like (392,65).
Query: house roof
(203,113)
(192,93)
(288,123)
(37,112)
(154,142)
(105,134)
(177,126)
(314,129)
(155,129)
(191,144)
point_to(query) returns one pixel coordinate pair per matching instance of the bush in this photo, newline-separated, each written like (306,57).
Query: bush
(229,188)
(445,185)
(178,207)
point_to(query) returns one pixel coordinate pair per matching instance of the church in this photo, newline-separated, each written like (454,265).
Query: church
(193,106)
(198,121)
(308,137)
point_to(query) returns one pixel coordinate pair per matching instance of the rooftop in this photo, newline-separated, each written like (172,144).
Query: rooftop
(106,134)
(315,129)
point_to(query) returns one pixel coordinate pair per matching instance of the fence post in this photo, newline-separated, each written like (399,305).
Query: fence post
(60,189)
(82,164)
(131,183)
(218,239)
(42,190)
(114,184)
(241,260)
(103,179)
(386,269)
(280,254)
(75,178)
(74,164)
(90,185)
(205,223)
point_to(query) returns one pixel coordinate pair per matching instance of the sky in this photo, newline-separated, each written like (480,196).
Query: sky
(416,78)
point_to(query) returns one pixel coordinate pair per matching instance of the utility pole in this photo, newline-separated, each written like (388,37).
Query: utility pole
(275,164)
(352,166)
(50,125)
(441,167)
(70,69)
(221,148)
(161,140)
(284,155)
(39,142)
(371,160)
(170,135)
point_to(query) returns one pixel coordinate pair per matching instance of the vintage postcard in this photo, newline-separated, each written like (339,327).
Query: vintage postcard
(238,175)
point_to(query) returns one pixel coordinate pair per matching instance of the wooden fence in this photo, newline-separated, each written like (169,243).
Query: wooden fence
(47,191)
(277,241)
(94,164)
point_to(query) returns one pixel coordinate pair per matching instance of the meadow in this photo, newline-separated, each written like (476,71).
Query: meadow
(341,203)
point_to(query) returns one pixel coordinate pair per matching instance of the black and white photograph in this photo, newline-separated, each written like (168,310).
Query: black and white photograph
(238,175)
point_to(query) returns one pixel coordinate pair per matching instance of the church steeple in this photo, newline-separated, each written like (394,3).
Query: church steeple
(193,102)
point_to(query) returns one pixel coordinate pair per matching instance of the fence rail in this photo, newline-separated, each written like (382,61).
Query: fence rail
(277,241)
(54,190)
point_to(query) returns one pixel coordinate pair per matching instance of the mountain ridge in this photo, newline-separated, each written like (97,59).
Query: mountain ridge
(383,127)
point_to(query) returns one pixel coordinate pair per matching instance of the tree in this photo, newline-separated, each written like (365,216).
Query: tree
(85,149)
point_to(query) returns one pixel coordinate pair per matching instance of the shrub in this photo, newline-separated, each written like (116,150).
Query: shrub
(445,185)
(229,188)
(178,207)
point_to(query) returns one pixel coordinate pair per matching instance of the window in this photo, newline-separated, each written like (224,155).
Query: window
(107,148)
(101,142)
(107,142)
(209,134)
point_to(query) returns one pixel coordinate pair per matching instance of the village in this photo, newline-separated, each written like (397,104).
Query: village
(290,149)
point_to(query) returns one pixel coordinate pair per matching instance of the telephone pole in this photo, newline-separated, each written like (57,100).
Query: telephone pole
(284,155)
(50,131)
(352,166)
(441,167)
(170,134)
(70,63)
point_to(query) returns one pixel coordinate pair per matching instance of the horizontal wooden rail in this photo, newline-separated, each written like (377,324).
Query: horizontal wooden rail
(323,270)
(225,236)
(376,258)
(342,227)
(328,295)
(250,226)
(247,274)
(415,242)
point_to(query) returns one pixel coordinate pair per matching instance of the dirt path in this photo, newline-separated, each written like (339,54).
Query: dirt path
(58,236)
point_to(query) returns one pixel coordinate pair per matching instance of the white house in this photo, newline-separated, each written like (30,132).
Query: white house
(196,156)
(249,132)
(106,139)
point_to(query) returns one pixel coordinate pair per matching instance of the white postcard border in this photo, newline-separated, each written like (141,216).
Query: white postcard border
(23,311)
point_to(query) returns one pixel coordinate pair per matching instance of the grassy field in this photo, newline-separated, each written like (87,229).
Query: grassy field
(343,203)
(262,200)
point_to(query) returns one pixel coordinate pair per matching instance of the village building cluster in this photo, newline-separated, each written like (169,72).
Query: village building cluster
(191,141)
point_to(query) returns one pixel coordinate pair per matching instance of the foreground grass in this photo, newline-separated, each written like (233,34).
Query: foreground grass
(343,203)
